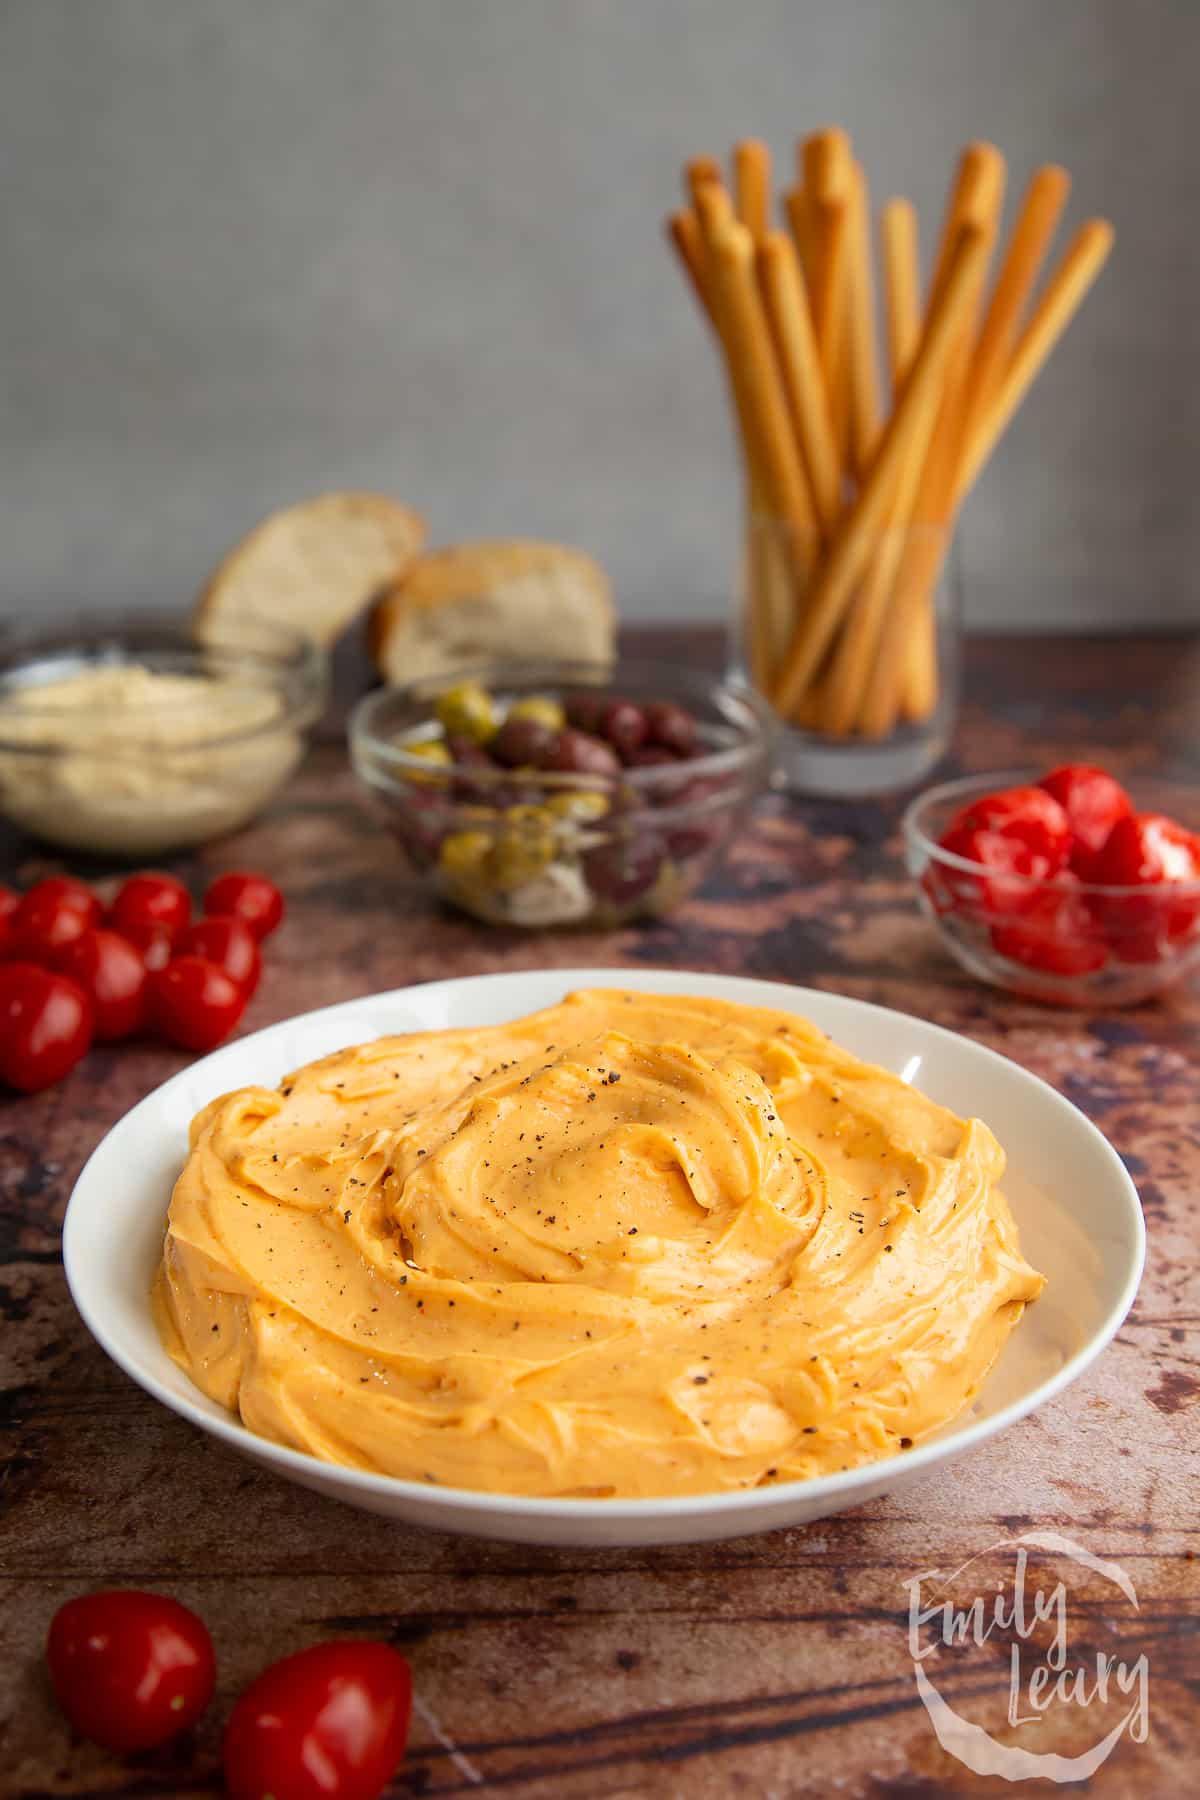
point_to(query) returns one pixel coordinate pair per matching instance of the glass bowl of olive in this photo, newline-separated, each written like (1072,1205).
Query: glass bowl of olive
(543,794)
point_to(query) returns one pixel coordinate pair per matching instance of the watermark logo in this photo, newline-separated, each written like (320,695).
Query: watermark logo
(1031,1618)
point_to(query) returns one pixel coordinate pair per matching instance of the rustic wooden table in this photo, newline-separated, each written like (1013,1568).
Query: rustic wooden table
(769,1666)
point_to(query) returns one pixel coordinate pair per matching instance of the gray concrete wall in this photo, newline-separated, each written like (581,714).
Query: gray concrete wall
(255,248)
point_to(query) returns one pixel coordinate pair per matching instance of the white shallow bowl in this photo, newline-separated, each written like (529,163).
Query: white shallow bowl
(1077,1210)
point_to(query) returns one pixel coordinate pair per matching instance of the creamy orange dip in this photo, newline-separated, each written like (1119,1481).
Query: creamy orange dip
(630,1245)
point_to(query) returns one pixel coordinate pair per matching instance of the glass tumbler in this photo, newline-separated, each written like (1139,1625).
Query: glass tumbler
(858,651)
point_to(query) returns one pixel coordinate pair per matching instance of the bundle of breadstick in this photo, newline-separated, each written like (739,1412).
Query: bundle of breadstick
(862,501)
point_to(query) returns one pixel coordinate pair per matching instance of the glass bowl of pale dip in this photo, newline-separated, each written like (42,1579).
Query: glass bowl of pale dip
(139,735)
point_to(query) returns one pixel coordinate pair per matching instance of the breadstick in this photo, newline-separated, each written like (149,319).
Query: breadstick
(1058,305)
(795,205)
(857,654)
(863,367)
(700,171)
(800,366)
(683,229)
(755,374)
(829,168)
(902,287)
(762,632)
(980,170)
(831,591)
(714,210)
(1045,197)
(977,195)
(752,185)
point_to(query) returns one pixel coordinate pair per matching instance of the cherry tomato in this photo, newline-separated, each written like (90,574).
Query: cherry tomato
(195,1003)
(113,975)
(1093,802)
(1029,814)
(9,901)
(152,943)
(329,1723)
(45,1025)
(130,1670)
(230,944)
(251,898)
(1056,934)
(1151,851)
(51,915)
(151,899)
(1013,872)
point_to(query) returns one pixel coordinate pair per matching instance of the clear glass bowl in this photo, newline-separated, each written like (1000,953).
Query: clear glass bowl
(511,846)
(121,764)
(1069,942)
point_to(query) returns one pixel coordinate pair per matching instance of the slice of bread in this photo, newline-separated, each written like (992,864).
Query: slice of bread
(314,565)
(508,597)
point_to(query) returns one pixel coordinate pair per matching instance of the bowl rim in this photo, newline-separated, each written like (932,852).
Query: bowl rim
(753,755)
(297,671)
(841,1487)
(962,788)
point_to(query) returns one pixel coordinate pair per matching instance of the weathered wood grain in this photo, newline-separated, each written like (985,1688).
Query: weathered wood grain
(774,1666)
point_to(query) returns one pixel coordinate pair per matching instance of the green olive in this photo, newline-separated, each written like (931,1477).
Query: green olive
(430,750)
(521,852)
(582,807)
(526,818)
(540,709)
(464,853)
(468,710)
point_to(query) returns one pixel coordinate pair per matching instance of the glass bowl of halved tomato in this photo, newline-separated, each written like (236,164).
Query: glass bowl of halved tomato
(1060,886)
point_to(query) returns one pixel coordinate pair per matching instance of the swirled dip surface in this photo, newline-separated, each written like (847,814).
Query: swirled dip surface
(629,1245)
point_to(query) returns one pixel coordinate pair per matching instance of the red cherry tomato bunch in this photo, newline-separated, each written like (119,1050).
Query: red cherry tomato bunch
(72,974)
(132,1670)
(1048,859)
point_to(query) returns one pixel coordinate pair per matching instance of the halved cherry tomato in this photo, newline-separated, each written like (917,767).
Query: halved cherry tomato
(329,1723)
(151,898)
(1154,852)
(251,898)
(1013,872)
(230,944)
(1056,934)
(130,1670)
(51,915)
(1029,814)
(112,974)
(194,1003)
(45,1025)
(1093,802)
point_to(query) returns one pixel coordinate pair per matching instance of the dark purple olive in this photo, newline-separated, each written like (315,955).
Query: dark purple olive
(420,824)
(478,791)
(694,840)
(585,711)
(466,751)
(651,756)
(577,753)
(525,743)
(671,726)
(624,725)
(624,870)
